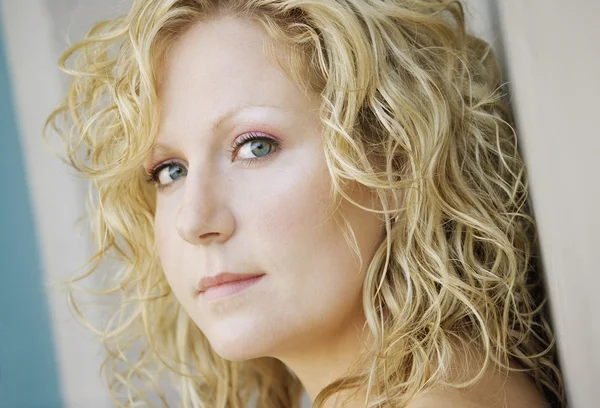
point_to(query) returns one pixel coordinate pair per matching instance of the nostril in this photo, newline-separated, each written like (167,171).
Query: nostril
(209,235)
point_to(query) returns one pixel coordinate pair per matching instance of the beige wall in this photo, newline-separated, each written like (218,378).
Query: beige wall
(553,58)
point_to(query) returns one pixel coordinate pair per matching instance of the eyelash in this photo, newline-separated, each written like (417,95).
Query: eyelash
(155,169)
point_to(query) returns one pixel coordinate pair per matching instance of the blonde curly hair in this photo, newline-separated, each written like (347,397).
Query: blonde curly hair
(413,108)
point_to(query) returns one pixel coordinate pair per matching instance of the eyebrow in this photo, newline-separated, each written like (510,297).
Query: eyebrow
(237,110)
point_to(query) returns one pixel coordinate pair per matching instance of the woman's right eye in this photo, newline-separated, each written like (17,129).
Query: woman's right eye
(167,173)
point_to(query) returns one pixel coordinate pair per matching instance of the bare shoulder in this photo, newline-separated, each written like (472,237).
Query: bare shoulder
(495,391)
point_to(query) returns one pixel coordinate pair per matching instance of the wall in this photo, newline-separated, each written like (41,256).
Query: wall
(26,346)
(553,61)
(35,33)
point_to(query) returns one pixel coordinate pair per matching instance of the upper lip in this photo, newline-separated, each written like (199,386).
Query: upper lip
(224,277)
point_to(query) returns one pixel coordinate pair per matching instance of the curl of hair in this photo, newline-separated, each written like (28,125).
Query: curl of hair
(412,108)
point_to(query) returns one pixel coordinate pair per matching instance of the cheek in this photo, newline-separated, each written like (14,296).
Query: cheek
(292,208)
(168,243)
(162,220)
(302,243)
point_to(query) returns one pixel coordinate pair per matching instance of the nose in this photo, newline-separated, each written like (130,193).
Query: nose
(204,217)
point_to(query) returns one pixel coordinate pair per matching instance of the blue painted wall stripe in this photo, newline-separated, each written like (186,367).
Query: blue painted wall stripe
(28,371)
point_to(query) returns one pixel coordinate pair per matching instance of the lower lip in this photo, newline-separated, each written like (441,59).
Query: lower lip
(230,289)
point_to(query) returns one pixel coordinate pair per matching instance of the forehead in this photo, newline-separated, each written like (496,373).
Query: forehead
(219,64)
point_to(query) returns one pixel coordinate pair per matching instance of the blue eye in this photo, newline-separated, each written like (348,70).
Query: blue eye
(167,173)
(253,147)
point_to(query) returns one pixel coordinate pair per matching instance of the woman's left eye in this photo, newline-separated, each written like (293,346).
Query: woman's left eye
(254,147)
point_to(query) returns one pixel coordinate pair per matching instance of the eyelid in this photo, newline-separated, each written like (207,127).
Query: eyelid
(251,136)
(155,165)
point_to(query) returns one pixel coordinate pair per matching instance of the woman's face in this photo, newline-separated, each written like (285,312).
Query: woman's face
(258,208)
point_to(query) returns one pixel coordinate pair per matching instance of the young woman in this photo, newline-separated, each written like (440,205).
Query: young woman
(308,196)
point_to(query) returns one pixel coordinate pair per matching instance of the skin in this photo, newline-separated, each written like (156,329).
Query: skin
(494,390)
(223,213)
(270,216)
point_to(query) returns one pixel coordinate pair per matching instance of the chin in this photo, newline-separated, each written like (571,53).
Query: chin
(239,345)
(236,351)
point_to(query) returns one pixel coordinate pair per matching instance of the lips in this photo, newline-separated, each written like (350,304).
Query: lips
(223,278)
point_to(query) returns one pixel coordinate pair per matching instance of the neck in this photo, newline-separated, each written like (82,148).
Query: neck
(318,364)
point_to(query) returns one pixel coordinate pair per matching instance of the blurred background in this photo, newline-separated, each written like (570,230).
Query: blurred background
(550,53)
